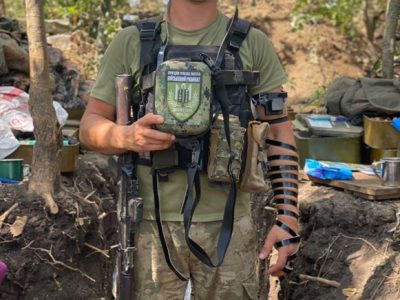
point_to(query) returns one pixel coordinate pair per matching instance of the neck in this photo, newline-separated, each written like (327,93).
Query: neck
(191,15)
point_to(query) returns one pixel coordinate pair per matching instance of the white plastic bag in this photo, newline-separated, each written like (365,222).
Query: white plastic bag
(14,109)
(8,142)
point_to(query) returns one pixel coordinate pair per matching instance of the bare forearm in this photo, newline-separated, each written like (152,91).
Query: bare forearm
(284,134)
(98,132)
(102,135)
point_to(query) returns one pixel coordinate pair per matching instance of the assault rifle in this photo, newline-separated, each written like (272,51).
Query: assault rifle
(130,205)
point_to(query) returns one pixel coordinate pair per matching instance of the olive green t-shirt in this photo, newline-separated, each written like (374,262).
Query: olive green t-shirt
(123,56)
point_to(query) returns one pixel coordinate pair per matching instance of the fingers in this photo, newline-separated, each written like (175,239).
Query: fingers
(149,120)
(145,138)
(276,269)
(146,125)
(157,136)
(276,235)
(267,248)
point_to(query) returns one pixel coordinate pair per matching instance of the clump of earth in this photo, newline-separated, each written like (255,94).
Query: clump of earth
(63,256)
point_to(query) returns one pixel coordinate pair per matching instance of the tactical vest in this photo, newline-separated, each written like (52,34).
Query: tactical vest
(229,97)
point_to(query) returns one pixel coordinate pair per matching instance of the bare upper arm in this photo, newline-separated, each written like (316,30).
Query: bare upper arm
(100,108)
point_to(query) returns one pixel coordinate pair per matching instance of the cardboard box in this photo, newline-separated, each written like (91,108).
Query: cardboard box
(69,156)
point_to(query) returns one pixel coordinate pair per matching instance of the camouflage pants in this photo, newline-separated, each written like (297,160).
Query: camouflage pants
(235,279)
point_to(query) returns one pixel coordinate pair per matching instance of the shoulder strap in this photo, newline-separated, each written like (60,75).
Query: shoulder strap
(149,30)
(240,30)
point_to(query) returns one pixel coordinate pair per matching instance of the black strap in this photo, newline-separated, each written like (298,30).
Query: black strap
(285,227)
(285,201)
(288,268)
(225,42)
(283,168)
(240,30)
(149,31)
(280,144)
(283,175)
(293,240)
(189,206)
(286,184)
(283,157)
(190,203)
(278,120)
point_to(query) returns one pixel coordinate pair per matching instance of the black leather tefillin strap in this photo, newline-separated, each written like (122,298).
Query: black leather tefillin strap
(285,188)
(278,120)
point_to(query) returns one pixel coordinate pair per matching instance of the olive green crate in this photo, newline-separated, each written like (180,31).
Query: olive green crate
(338,149)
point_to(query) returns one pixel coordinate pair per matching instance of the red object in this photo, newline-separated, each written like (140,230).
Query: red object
(3,270)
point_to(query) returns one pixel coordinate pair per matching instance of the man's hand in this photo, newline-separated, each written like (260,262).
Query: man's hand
(142,137)
(275,235)
(99,132)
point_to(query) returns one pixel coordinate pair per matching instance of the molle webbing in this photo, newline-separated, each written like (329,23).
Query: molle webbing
(192,53)
(228,77)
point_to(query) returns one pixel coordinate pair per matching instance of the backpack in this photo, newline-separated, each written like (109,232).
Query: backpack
(363,96)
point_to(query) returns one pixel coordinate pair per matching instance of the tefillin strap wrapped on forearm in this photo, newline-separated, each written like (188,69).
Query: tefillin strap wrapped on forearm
(284,177)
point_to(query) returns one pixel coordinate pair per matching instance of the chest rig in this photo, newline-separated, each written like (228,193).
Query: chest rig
(228,96)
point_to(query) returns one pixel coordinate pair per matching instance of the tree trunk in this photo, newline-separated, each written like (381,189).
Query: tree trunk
(371,19)
(47,150)
(101,39)
(389,39)
(2,8)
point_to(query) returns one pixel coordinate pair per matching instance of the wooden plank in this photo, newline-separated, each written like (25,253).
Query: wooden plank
(364,186)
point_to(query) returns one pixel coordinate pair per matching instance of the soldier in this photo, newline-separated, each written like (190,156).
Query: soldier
(139,51)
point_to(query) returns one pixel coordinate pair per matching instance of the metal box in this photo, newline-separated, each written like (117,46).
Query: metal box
(337,149)
(379,134)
